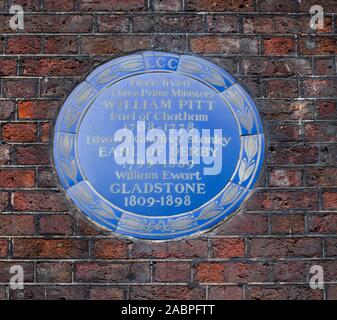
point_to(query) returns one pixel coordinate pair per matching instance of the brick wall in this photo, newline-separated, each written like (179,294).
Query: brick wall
(264,252)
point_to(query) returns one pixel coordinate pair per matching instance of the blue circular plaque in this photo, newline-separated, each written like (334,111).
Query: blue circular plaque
(158,146)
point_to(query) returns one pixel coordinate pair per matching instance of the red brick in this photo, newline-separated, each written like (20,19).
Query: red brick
(325,132)
(49,23)
(327,110)
(29,5)
(7,67)
(169,42)
(284,132)
(293,154)
(282,24)
(19,132)
(289,271)
(56,225)
(225,293)
(3,200)
(113,23)
(223,248)
(46,178)
(319,45)
(330,200)
(114,45)
(37,154)
(154,23)
(321,177)
(112,5)
(233,272)
(112,272)
(284,247)
(320,88)
(331,247)
(283,200)
(276,66)
(39,201)
(5,153)
(60,45)
(3,248)
(7,109)
(285,178)
(56,67)
(219,23)
(322,223)
(50,248)
(45,132)
(244,224)
(111,249)
(225,45)
(287,224)
(278,6)
(57,87)
(331,290)
(166,292)
(43,109)
(325,66)
(172,272)
(20,88)
(285,292)
(17,178)
(166,5)
(106,293)
(281,88)
(224,5)
(59,6)
(54,272)
(328,5)
(23,45)
(279,46)
(175,249)
(17,225)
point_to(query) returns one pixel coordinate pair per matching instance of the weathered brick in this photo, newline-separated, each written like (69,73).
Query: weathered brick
(322,223)
(39,201)
(330,200)
(278,6)
(6,275)
(45,130)
(56,87)
(321,177)
(331,247)
(46,178)
(223,248)
(224,45)
(225,293)
(172,272)
(114,45)
(166,5)
(61,45)
(50,248)
(8,67)
(17,225)
(106,293)
(3,248)
(284,132)
(175,249)
(20,88)
(281,88)
(19,132)
(283,247)
(285,292)
(56,225)
(325,132)
(5,154)
(112,272)
(328,153)
(233,272)
(327,110)
(325,66)
(110,249)
(279,46)
(285,178)
(7,109)
(319,45)
(17,178)
(113,23)
(30,155)
(167,292)
(225,5)
(43,109)
(3,200)
(283,200)
(220,23)
(60,5)
(289,271)
(55,272)
(112,5)
(56,67)
(287,224)
(23,45)
(155,23)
